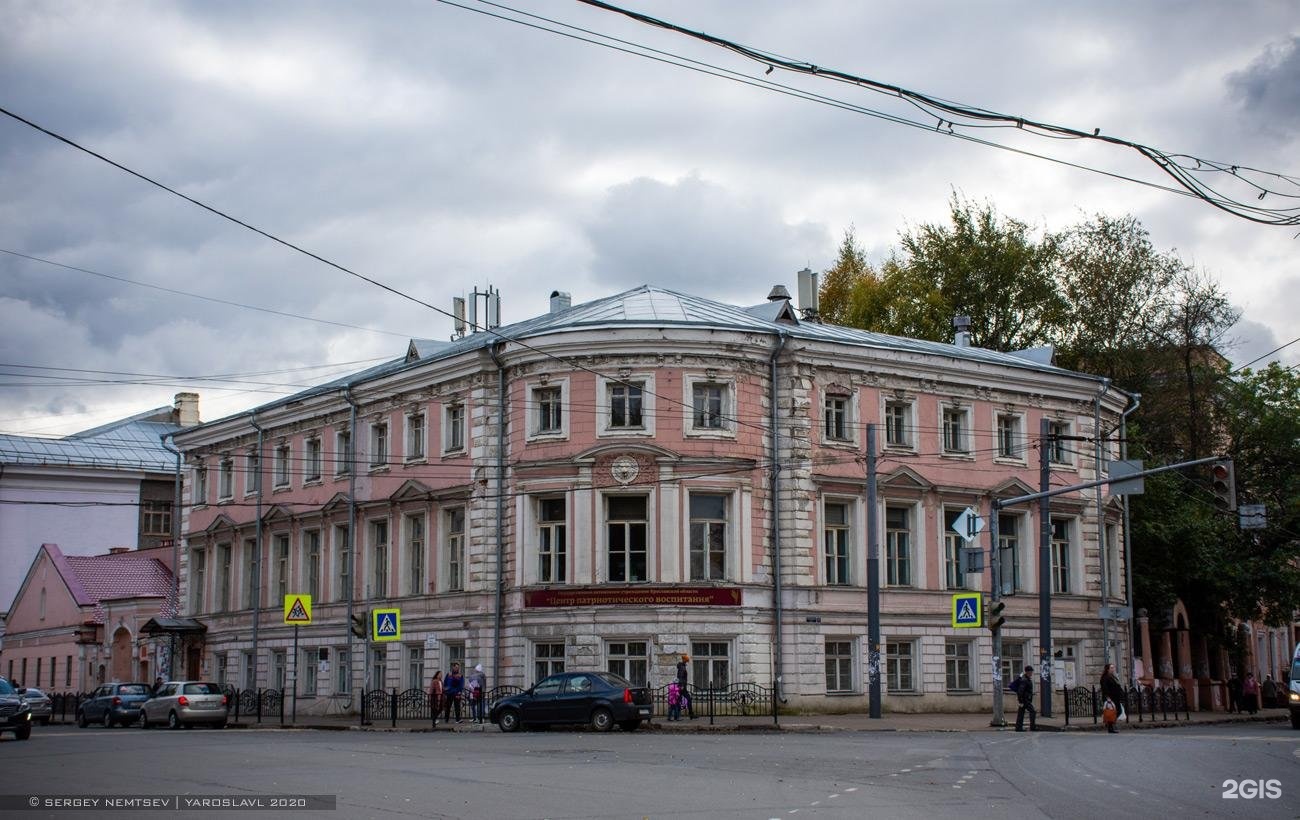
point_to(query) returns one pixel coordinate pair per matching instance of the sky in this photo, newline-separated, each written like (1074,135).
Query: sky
(438,148)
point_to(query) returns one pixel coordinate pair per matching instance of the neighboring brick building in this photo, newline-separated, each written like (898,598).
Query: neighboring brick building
(624,513)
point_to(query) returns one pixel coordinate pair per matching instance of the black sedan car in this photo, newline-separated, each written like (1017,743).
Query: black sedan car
(113,703)
(15,714)
(599,699)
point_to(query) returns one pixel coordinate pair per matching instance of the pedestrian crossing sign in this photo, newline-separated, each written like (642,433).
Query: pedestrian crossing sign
(966,610)
(297,610)
(386,624)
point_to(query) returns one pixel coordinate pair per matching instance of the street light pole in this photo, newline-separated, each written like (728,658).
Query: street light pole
(873,577)
(995,575)
(1045,568)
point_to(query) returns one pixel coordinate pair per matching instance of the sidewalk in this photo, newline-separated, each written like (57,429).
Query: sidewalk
(889,722)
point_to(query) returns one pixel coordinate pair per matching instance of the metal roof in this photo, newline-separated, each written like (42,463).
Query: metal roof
(133,443)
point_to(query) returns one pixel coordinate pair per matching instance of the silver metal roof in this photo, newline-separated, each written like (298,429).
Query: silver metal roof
(133,443)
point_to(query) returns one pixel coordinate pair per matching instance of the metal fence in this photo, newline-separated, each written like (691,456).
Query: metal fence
(392,705)
(730,700)
(1147,702)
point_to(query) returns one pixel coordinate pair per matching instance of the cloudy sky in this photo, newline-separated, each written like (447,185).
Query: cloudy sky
(436,148)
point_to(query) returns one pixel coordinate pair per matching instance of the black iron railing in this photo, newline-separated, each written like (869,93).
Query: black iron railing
(1146,702)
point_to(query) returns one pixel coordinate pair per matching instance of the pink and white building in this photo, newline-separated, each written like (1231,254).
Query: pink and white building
(614,484)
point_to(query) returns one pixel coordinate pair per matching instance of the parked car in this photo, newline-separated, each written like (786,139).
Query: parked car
(186,703)
(1293,689)
(15,714)
(42,708)
(600,699)
(113,703)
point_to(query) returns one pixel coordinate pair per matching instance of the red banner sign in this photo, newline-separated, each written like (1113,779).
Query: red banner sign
(633,596)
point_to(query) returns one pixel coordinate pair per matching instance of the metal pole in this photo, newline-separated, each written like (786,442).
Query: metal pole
(774,495)
(1044,569)
(350,455)
(295,673)
(176,562)
(873,577)
(1102,545)
(256,593)
(995,576)
(1128,563)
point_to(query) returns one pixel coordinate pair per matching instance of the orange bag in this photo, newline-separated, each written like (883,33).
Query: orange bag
(1109,714)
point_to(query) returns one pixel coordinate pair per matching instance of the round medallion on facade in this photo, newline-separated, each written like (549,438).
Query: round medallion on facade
(624,469)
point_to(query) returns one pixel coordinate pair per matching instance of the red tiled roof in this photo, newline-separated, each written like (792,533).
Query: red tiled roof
(123,575)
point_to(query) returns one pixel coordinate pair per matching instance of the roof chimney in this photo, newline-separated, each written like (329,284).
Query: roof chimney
(187,409)
(560,301)
(962,326)
(778,292)
(118,550)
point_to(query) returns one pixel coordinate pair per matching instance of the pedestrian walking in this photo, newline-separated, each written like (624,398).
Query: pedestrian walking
(674,701)
(477,685)
(1250,693)
(683,681)
(453,686)
(1234,693)
(1268,692)
(1113,692)
(435,694)
(1025,697)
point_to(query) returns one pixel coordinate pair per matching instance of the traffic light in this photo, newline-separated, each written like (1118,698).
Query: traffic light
(995,619)
(359,624)
(1224,485)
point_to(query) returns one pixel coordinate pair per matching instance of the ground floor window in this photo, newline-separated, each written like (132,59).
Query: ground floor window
(710,663)
(900,659)
(839,666)
(1013,660)
(957,672)
(343,672)
(222,668)
(629,659)
(455,654)
(277,671)
(548,659)
(309,660)
(378,672)
(415,667)
(250,671)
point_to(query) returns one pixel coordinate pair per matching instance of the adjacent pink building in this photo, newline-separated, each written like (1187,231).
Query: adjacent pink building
(614,484)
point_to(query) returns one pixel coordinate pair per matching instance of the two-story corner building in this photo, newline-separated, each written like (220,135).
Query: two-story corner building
(618,483)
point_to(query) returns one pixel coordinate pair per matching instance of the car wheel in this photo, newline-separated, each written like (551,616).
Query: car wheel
(144,722)
(508,720)
(173,721)
(81,720)
(602,720)
(630,725)
(109,723)
(1295,720)
(23,732)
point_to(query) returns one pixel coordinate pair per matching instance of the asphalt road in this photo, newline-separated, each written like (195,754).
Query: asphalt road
(570,774)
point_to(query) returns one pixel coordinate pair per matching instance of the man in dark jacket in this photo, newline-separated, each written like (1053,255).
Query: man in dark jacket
(1112,690)
(1025,696)
(452,688)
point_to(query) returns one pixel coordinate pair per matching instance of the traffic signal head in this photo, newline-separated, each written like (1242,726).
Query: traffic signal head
(359,624)
(995,618)
(1224,485)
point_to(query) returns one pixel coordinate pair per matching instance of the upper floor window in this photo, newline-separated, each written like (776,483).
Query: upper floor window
(226,479)
(552,541)
(311,546)
(708,403)
(200,483)
(224,569)
(253,476)
(1009,436)
(835,418)
(898,546)
(898,423)
(1058,443)
(281,567)
(156,518)
(415,436)
(251,590)
(198,580)
(453,433)
(455,523)
(956,423)
(343,563)
(415,553)
(625,406)
(626,521)
(1010,558)
(954,577)
(379,444)
(282,454)
(835,542)
(1061,555)
(312,459)
(708,537)
(549,409)
(379,553)
(342,452)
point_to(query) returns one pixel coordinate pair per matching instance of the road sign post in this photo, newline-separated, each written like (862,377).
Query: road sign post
(386,624)
(967,610)
(297,611)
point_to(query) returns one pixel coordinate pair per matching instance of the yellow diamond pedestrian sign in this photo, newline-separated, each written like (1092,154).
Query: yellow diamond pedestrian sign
(966,610)
(386,624)
(297,610)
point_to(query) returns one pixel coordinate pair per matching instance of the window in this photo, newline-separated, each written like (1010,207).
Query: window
(342,452)
(67,671)
(900,661)
(552,541)
(200,484)
(253,479)
(455,654)
(835,540)
(156,518)
(342,672)
(955,422)
(38,674)
(308,661)
(311,470)
(548,659)
(415,667)
(378,670)
(625,405)
(453,434)
(1058,444)
(343,570)
(711,664)
(226,479)
(249,573)
(1009,438)
(898,547)
(198,579)
(1009,545)
(957,666)
(415,554)
(953,544)
(1110,561)
(549,410)
(455,519)
(379,553)
(839,666)
(1013,660)
(282,454)
(835,423)
(708,537)
(250,670)
(898,424)
(278,663)
(626,523)
(415,437)
(708,402)
(1061,555)
(42,605)
(311,541)
(378,444)
(629,659)
(223,577)
(281,547)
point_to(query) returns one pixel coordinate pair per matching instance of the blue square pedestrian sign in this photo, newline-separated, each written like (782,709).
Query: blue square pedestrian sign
(386,624)
(966,608)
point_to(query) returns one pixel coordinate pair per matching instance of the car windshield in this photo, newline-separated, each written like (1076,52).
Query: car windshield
(6,688)
(202,689)
(33,693)
(1295,670)
(133,689)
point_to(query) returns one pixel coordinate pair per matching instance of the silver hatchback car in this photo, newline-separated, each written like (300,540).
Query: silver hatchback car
(185,703)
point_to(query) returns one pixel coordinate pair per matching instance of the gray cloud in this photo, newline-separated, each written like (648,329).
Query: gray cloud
(1269,88)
